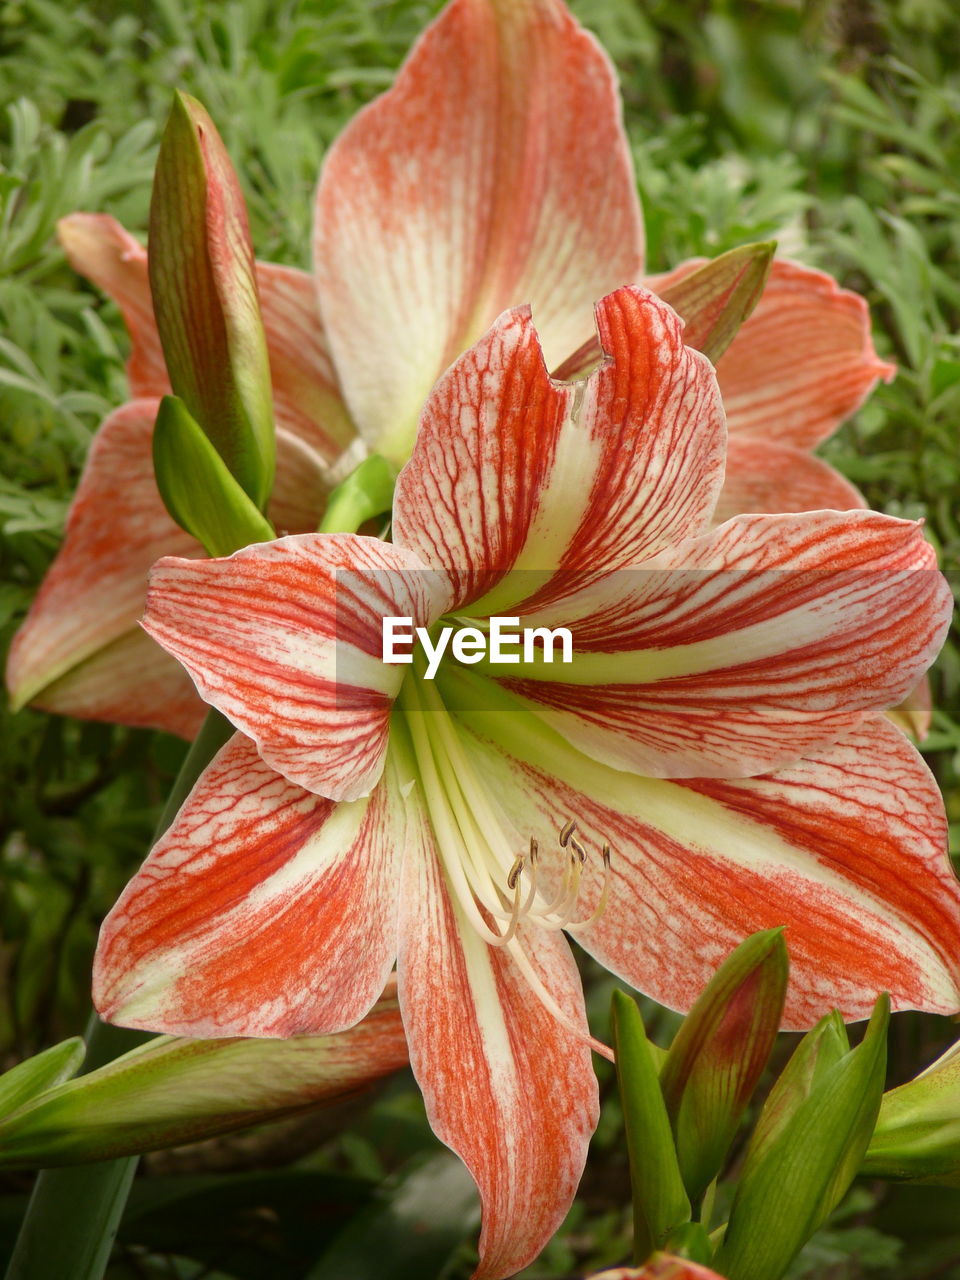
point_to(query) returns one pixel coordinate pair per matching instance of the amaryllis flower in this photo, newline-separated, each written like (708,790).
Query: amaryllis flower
(709,763)
(494,173)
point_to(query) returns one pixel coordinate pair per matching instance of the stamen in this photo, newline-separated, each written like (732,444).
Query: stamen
(515,870)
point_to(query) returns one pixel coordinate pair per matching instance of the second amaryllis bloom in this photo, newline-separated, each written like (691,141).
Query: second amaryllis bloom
(708,763)
(442,204)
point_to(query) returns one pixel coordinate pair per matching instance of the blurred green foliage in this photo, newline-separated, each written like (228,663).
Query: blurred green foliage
(829,124)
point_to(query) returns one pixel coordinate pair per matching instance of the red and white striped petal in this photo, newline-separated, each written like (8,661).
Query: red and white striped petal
(98,247)
(803,362)
(495,172)
(129,681)
(306,392)
(846,848)
(737,652)
(80,651)
(662,1266)
(509,1089)
(513,472)
(264,911)
(286,639)
(765,476)
(93,593)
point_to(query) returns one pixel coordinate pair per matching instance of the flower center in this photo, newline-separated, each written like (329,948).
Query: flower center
(496,889)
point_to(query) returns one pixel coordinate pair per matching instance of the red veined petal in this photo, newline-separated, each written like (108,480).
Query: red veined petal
(306,392)
(286,639)
(98,247)
(741,650)
(264,910)
(662,1266)
(79,650)
(765,476)
(846,848)
(514,472)
(803,362)
(506,1087)
(495,172)
(93,593)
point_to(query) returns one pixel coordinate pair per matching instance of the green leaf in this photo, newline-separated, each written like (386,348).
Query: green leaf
(660,1202)
(791,1183)
(37,1074)
(918,1130)
(171,1090)
(205,297)
(719,1053)
(412,1228)
(198,489)
(819,1051)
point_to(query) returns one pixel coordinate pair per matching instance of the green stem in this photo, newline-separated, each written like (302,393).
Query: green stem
(74,1213)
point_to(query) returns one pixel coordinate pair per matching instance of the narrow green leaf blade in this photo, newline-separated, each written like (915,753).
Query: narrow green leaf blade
(660,1202)
(792,1184)
(28,1079)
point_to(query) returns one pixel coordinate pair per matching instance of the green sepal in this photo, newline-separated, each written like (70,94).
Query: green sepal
(197,488)
(715,299)
(917,1136)
(366,492)
(205,298)
(28,1079)
(817,1053)
(660,1203)
(719,1054)
(791,1184)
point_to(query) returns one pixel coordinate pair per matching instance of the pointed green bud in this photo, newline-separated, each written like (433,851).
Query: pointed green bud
(366,492)
(714,300)
(918,1132)
(43,1071)
(660,1202)
(205,298)
(791,1184)
(197,488)
(171,1090)
(719,1053)
(819,1050)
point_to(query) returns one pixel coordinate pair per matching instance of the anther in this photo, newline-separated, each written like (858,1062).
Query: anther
(515,872)
(566,831)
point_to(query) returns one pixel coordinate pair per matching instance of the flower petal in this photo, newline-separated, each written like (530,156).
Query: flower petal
(765,476)
(80,649)
(739,651)
(847,848)
(93,593)
(264,910)
(803,362)
(286,639)
(514,472)
(505,1086)
(495,172)
(98,247)
(306,393)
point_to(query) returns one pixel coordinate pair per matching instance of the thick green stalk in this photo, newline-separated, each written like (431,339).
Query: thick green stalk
(74,1213)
